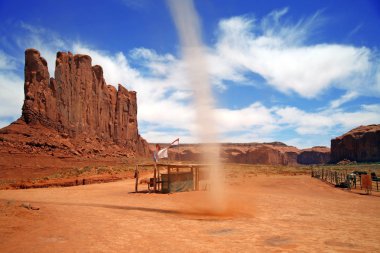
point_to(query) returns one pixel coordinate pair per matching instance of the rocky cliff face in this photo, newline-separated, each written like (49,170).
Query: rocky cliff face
(361,144)
(268,153)
(79,105)
(314,155)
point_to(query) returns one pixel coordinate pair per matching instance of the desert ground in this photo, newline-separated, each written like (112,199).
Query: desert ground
(264,212)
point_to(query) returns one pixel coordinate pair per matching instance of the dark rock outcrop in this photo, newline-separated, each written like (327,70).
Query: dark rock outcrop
(79,105)
(361,144)
(314,155)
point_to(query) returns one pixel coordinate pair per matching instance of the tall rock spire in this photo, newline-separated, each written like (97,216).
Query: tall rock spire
(78,102)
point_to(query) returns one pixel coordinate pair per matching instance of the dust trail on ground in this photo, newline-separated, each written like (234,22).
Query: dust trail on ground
(189,30)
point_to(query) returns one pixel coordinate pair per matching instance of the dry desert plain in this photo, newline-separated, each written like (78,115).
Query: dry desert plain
(265,212)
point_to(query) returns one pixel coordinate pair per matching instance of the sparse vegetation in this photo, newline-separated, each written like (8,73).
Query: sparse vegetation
(103,170)
(87,171)
(255,169)
(351,167)
(40,145)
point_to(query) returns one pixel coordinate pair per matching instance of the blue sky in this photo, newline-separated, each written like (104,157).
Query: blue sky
(300,72)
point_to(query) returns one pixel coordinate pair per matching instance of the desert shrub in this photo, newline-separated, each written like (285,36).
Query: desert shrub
(40,145)
(85,169)
(103,170)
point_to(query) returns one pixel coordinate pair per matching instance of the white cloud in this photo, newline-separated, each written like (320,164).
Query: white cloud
(159,65)
(166,137)
(11,96)
(303,122)
(277,54)
(350,95)
(328,120)
(11,87)
(220,70)
(371,107)
(7,62)
(244,119)
(257,135)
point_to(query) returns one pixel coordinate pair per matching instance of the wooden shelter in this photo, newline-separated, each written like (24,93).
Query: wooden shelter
(169,178)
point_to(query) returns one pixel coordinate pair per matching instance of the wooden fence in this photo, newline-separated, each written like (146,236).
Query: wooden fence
(345,179)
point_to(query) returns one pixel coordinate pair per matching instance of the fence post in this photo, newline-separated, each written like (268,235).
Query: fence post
(330,176)
(137,178)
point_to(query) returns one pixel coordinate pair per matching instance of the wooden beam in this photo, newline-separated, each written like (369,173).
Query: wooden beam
(155,178)
(137,178)
(197,178)
(168,179)
(194,181)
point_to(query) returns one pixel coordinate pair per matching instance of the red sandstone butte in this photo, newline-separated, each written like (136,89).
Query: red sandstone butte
(314,155)
(76,110)
(361,144)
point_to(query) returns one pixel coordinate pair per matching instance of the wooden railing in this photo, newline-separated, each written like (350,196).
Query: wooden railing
(346,179)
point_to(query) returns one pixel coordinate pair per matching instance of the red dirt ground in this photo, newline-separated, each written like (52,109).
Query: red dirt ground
(264,214)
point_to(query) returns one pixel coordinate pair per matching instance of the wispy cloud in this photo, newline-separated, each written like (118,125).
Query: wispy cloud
(279,54)
(355,30)
(7,62)
(349,96)
(11,96)
(11,86)
(328,120)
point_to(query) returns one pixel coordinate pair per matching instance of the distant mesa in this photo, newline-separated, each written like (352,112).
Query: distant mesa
(361,144)
(273,153)
(75,112)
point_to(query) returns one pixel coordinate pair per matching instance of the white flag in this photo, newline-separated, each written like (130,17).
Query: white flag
(162,153)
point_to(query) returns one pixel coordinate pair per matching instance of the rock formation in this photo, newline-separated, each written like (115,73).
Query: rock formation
(267,153)
(361,144)
(314,155)
(79,105)
(275,153)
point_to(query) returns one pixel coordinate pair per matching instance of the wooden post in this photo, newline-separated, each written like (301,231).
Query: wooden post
(137,178)
(197,177)
(158,178)
(194,181)
(168,179)
(155,177)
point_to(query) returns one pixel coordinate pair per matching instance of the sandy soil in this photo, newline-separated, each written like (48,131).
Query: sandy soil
(264,214)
